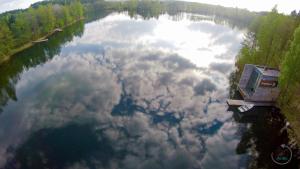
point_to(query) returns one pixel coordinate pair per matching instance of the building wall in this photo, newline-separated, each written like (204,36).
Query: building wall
(265,94)
(262,93)
(245,75)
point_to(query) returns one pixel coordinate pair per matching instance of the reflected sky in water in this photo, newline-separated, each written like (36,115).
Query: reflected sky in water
(128,93)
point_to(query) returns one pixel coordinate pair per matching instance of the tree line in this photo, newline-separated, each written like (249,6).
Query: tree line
(236,16)
(274,40)
(20,27)
(153,8)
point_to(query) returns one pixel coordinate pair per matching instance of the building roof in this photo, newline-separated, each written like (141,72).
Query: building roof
(268,71)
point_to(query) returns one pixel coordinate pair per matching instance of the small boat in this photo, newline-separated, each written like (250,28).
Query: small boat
(245,108)
(41,40)
(58,30)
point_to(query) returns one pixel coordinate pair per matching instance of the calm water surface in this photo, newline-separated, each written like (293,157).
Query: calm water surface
(123,93)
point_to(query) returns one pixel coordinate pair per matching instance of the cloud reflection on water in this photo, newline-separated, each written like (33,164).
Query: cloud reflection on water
(148,102)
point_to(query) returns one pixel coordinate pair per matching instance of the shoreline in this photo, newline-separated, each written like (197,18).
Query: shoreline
(31,43)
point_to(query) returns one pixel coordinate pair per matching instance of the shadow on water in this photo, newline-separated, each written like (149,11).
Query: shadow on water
(127,106)
(32,57)
(60,147)
(262,133)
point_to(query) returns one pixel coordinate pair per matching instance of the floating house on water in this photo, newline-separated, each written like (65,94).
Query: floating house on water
(258,85)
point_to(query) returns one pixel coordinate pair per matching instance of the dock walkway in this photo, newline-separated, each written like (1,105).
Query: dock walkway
(232,102)
(40,40)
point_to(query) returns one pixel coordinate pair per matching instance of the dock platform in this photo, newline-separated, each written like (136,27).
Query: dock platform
(232,102)
(57,30)
(40,40)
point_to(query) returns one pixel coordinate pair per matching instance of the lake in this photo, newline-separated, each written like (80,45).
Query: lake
(122,92)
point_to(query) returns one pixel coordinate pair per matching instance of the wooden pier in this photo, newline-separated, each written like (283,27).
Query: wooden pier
(40,40)
(231,102)
(57,30)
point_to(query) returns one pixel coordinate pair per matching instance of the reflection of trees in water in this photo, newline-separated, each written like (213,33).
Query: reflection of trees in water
(61,147)
(95,12)
(234,17)
(220,15)
(233,82)
(262,136)
(31,57)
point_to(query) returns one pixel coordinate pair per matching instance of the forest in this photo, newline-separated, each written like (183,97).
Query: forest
(19,28)
(274,40)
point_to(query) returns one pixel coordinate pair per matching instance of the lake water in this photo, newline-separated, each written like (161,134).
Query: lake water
(123,92)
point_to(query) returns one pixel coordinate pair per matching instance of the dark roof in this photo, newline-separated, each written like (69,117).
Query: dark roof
(268,71)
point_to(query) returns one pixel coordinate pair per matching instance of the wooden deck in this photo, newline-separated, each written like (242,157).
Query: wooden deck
(57,30)
(40,40)
(231,102)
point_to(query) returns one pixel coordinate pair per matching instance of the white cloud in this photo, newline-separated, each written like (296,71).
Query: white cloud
(80,85)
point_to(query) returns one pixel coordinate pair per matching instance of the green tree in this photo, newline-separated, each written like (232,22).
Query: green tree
(23,26)
(271,36)
(46,18)
(67,16)
(21,30)
(32,19)
(6,40)
(58,15)
(290,76)
(132,7)
(76,10)
(274,34)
